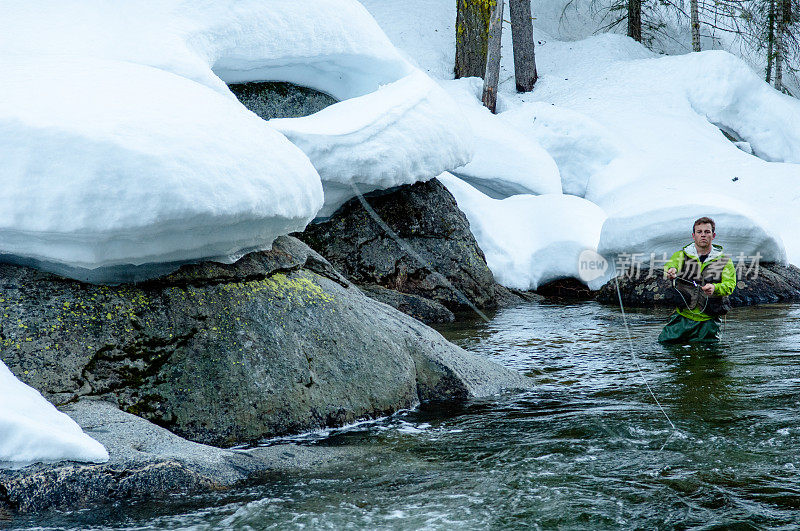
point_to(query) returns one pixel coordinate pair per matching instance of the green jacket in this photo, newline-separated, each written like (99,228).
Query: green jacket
(725,281)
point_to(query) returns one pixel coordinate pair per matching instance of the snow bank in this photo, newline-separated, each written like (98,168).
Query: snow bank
(126,154)
(741,102)
(127,164)
(672,151)
(529,240)
(423,30)
(505,161)
(32,430)
(662,225)
(636,134)
(580,146)
(405,132)
(331,45)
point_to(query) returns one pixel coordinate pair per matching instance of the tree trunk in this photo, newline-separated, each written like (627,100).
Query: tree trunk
(492,77)
(635,20)
(770,39)
(693,7)
(779,44)
(472,36)
(522,38)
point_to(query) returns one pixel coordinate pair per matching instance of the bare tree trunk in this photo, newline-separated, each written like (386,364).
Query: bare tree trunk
(472,36)
(770,39)
(522,37)
(492,77)
(779,45)
(695,10)
(635,20)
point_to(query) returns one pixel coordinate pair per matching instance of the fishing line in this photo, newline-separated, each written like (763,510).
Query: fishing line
(688,306)
(411,252)
(636,360)
(416,256)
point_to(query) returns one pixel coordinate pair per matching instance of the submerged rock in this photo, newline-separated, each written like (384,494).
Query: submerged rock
(453,270)
(277,343)
(772,283)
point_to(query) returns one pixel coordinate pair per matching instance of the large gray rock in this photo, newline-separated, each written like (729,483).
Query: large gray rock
(147,461)
(772,283)
(420,308)
(276,343)
(427,220)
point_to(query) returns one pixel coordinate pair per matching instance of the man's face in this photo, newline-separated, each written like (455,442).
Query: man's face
(703,235)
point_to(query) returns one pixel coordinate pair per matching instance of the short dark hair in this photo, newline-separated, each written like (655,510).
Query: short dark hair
(705,220)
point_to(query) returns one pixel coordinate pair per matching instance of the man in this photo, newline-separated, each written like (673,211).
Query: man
(700,269)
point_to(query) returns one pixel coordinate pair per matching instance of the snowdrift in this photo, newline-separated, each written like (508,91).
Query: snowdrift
(671,162)
(405,132)
(505,162)
(32,430)
(529,240)
(127,164)
(128,155)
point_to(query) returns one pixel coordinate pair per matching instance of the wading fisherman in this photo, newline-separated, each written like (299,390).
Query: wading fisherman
(703,278)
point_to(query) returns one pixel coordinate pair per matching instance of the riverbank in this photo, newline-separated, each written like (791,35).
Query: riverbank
(220,355)
(588,449)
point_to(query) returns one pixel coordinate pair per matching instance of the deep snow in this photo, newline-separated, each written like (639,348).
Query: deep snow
(635,133)
(127,155)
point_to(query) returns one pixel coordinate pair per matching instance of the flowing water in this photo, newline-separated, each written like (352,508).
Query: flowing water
(587,449)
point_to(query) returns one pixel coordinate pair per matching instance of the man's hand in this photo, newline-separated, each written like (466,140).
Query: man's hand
(672,272)
(708,289)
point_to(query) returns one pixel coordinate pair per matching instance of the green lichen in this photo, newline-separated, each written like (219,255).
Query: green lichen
(299,289)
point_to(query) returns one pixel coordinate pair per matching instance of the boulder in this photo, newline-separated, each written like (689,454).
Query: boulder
(769,283)
(420,308)
(276,343)
(146,461)
(437,256)
(566,288)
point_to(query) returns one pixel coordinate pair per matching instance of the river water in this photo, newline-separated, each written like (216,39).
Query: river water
(589,448)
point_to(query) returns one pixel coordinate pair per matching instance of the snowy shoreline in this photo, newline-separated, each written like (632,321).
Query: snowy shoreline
(127,157)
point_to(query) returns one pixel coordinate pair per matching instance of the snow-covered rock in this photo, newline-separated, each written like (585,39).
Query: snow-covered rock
(330,45)
(529,240)
(655,227)
(664,224)
(580,146)
(406,131)
(125,164)
(32,430)
(673,152)
(126,154)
